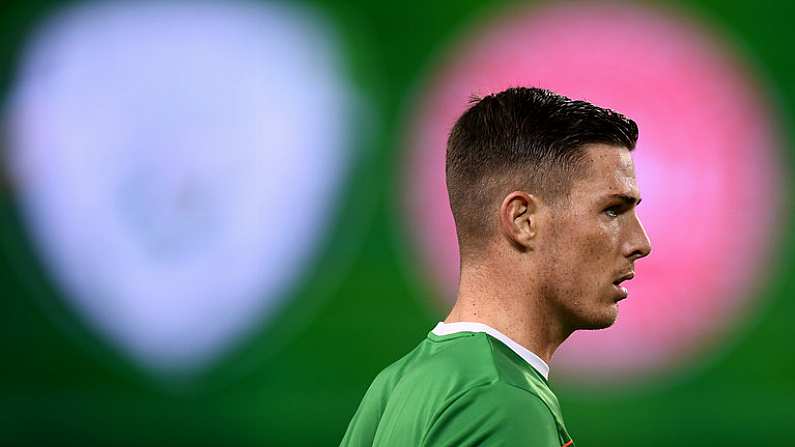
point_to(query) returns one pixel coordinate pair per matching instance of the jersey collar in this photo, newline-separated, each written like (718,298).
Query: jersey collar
(535,361)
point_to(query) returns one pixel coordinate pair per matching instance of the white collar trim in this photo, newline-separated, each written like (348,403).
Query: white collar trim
(535,361)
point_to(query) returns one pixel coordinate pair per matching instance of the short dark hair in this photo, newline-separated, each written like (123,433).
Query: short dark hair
(527,136)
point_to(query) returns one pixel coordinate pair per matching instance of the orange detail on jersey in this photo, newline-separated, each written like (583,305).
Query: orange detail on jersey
(568,443)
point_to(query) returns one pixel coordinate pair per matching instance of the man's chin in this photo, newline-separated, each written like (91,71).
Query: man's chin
(601,321)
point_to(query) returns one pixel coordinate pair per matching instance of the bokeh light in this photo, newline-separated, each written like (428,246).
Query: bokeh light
(178,164)
(706,161)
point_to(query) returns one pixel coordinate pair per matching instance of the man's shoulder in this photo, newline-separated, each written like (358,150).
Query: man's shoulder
(465,359)
(458,362)
(494,413)
(459,378)
(505,400)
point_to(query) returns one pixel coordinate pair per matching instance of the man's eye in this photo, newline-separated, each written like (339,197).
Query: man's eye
(612,211)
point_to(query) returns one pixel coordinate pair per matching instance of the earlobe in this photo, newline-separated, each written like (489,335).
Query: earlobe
(518,218)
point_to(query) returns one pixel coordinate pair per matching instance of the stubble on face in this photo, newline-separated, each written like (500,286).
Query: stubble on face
(583,243)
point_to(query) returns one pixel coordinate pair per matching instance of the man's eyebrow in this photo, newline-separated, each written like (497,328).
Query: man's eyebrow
(627,199)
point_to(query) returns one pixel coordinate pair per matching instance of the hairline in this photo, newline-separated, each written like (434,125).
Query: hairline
(577,169)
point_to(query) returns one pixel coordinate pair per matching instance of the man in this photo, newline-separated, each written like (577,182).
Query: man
(543,194)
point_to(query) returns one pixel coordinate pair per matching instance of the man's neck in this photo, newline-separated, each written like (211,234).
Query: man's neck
(490,298)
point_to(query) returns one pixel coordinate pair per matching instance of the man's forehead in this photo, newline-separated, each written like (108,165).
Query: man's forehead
(609,170)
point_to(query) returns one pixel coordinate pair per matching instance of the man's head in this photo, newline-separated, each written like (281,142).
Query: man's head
(548,185)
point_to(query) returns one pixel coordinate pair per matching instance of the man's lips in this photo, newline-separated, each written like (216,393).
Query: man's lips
(624,277)
(622,291)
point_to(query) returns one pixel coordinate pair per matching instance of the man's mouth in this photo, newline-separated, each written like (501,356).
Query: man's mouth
(624,277)
(622,291)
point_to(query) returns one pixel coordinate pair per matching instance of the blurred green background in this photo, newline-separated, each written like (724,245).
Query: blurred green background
(363,300)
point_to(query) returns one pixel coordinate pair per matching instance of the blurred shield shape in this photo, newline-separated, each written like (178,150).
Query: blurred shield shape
(177,164)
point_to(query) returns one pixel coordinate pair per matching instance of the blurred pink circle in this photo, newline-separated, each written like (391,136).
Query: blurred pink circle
(706,166)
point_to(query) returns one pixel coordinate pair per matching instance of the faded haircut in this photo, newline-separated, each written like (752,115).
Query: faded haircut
(528,138)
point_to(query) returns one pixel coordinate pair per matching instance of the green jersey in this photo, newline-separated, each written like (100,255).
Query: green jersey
(466,384)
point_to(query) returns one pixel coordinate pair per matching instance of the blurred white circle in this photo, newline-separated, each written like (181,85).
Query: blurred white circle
(178,165)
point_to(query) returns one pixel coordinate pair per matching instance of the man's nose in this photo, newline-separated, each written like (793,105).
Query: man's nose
(639,245)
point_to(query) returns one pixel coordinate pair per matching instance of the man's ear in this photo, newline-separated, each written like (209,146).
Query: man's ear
(519,218)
